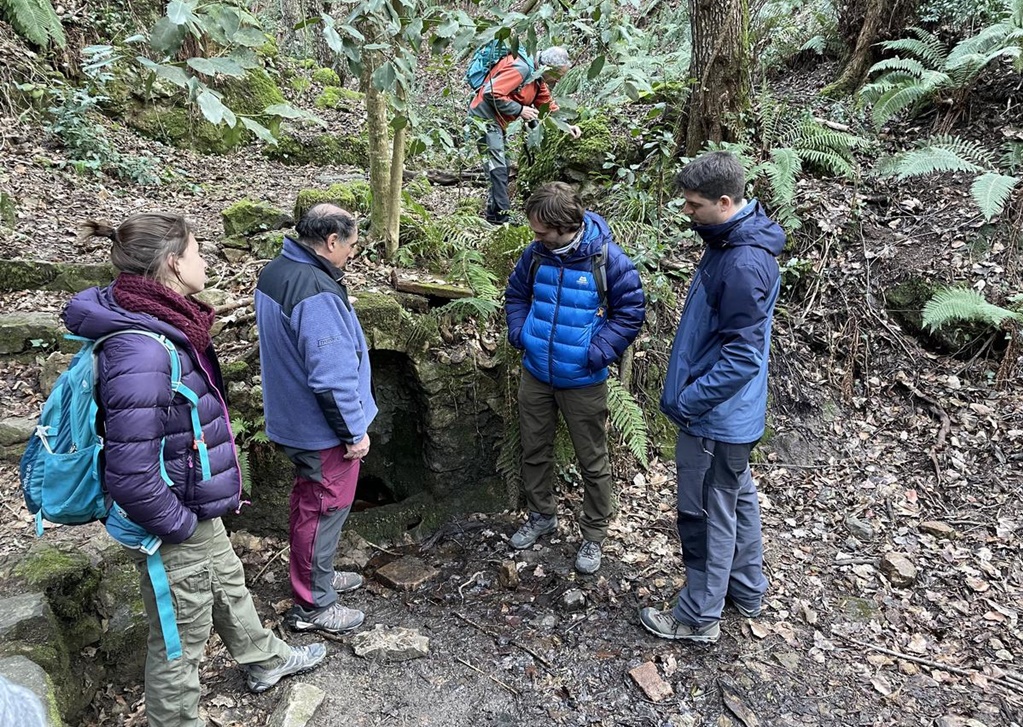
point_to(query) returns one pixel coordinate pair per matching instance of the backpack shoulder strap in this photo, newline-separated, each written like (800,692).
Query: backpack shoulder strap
(600,274)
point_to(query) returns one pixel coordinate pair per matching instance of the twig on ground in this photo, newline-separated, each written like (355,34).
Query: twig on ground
(382,550)
(491,677)
(495,637)
(472,579)
(266,565)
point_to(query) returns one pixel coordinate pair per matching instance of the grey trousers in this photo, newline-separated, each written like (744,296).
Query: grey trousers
(495,163)
(208,590)
(585,413)
(719,526)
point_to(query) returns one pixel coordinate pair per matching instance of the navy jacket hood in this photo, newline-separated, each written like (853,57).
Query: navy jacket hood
(749,226)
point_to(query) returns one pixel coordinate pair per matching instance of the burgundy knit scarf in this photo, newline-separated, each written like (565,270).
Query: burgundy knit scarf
(144,295)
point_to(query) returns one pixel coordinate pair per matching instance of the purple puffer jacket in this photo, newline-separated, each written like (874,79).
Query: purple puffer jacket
(152,470)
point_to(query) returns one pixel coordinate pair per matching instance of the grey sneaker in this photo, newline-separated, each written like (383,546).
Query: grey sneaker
(335,618)
(302,659)
(588,559)
(345,581)
(664,624)
(535,526)
(748,611)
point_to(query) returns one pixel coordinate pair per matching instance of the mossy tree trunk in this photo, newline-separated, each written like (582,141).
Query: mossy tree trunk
(867,22)
(721,68)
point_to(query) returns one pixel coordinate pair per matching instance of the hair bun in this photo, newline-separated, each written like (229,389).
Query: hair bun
(92,228)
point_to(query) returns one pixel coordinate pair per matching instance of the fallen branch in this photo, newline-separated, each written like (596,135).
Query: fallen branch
(266,565)
(1013,683)
(496,637)
(382,550)
(491,677)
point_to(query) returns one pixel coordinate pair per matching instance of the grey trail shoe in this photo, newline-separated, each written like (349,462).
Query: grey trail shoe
(588,559)
(345,581)
(302,659)
(664,624)
(748,611)
(335,619)
(535,526)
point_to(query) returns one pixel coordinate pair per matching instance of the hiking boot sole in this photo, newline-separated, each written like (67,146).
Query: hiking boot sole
(298,624)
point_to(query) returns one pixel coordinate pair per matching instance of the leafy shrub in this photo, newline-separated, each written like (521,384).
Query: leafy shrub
(35,21)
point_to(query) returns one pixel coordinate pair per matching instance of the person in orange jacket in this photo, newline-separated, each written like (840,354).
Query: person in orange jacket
(513,90)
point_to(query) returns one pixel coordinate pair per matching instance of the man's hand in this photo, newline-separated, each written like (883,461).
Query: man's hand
(575,131)
(529,113)
(359,450)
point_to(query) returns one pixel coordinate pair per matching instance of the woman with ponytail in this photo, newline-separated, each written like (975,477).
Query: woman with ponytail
(151,466)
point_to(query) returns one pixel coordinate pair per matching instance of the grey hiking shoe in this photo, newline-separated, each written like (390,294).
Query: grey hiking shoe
(664,624)
(302,659)
(335,619)
(748,611)
(588,559)
(345,581)
(535,526)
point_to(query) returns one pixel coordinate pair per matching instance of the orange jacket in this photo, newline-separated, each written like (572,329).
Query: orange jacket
(507,89)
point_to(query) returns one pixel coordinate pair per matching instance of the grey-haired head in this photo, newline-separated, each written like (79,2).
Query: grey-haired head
(555,56)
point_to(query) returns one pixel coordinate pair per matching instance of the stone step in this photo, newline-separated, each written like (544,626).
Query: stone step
(25,672)
(30,331)
(14,435)
(19,274)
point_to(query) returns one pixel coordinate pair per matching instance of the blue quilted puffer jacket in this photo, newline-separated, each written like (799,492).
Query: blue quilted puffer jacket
(568,338)
(150,466)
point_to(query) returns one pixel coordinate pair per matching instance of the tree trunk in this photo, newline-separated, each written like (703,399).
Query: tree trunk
(721,66)
(870,22)
(394,193)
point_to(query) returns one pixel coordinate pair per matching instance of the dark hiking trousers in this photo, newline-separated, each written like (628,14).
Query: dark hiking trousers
(495,164)
(321,499)
(719,526)
(585,413)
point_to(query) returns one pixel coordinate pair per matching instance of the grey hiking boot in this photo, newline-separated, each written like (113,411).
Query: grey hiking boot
(302,659)
(345,581)
(748,611)
(588,559)
(665,625)
(335,619)
(535,526)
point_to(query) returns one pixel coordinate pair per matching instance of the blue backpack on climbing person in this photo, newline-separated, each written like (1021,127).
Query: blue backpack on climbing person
(486,57)
(60,471)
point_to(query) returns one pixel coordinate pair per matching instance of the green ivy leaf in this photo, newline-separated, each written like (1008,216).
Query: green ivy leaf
(259,130)
(214,109)
(214,66)
(181,12)
(166,71)
(167,36)
(284,110)
(383,77)
(245,57)
(249,36)
(447,29)
(596,66)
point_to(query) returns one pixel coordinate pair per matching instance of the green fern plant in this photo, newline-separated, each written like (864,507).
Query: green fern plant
(34,20)
(949,305)
(925,72)
(991,189)
(627,418)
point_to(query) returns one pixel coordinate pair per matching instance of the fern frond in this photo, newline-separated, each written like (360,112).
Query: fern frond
(963,304)
(929,160)
(462,309)
(991,191)
(827,161)
(509,458)
(627,417)
(909,66)
(907,95)
(245,472)
(818,44)
(1012,154)
(36,21)
(782,171)
(926,47)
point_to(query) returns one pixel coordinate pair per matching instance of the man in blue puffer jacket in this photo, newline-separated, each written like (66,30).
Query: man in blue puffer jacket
(715,391)
(574,304)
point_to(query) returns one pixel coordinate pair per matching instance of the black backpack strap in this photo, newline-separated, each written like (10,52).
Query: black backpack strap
(534,265)
(600,275)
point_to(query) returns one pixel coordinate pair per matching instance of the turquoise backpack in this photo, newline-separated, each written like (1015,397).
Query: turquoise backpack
(60,470)
(486,57)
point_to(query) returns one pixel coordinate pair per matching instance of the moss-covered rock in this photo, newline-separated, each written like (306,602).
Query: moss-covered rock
(419,187)
(354,196)
(248,217)
(8,210)
(300,84)
(28,331)
(65,277)
(183,127)
(326,77)
(562,158)
(321,150)
(267,245)
(338,97)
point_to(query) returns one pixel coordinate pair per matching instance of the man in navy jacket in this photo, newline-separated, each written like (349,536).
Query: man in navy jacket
(574,304)
(715,391)
(318,404)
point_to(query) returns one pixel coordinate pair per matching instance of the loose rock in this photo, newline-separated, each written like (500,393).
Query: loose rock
(406,573)
(396,644)
(646,677)
(508,575)
(298,707)
(573,600)
(859,528)
(898,569)
(938,529)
